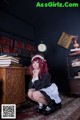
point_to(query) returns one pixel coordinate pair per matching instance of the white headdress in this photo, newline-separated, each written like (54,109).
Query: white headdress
(37,56)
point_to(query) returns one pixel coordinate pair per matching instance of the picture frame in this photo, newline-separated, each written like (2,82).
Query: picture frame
(65,40)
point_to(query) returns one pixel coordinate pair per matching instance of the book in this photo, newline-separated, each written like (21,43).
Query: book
(5,57)
(8,60)
(74,53)
(4,65)
(76,49)
(10,65)
(74,64)
(76,76)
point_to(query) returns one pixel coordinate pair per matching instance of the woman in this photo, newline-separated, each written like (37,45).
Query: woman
(41,90)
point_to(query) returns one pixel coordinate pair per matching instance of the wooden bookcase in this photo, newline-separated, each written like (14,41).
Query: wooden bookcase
(12,85)
(73,64)
(16,47)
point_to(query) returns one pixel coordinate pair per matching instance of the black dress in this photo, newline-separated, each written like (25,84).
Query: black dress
(48,89)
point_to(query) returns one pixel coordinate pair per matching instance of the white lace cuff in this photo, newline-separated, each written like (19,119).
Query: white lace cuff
(34,79)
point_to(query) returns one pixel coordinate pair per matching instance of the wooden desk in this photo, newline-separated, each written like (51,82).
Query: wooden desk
(27,71)
(27,78)
(12,85)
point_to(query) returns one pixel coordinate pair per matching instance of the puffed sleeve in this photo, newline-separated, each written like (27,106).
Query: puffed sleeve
(43,83)
(31,85)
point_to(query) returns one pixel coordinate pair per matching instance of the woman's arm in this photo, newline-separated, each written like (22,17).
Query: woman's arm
(43,83)
(31,85)
(34,78)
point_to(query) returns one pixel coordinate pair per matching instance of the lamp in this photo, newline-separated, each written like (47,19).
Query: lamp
(42,47)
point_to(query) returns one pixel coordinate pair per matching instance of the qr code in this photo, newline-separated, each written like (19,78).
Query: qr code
(8,111)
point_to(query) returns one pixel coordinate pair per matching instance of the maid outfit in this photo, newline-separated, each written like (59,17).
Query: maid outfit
(49,90)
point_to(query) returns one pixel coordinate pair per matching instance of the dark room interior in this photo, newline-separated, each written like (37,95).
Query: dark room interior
(23,21)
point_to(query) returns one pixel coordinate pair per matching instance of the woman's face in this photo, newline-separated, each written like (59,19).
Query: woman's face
(35,64)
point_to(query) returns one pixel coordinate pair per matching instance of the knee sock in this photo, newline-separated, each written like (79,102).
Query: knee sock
(48,108)
(40,105)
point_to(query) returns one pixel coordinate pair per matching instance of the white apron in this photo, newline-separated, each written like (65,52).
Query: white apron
(52,92)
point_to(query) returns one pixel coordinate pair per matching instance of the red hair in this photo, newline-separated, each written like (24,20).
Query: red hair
(42,65)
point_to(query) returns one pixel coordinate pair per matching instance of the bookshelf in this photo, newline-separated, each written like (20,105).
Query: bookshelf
(73,64)
(16,47)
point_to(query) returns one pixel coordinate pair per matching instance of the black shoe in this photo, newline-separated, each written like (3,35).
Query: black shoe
(54,109)
(39,110)
(45,112)
(58,106)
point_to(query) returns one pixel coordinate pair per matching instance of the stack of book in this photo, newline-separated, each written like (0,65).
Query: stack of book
(78,76)
(75,63)
(6,60)
(75,51)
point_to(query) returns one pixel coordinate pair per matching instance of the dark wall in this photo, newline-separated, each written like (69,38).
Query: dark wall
(13,25)
(53,22)
(16,29)
(57,21)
